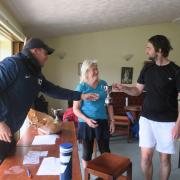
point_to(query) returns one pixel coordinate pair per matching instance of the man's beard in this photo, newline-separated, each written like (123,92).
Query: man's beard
(152,58)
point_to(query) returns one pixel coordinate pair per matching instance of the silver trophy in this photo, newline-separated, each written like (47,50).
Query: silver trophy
(108,90)
(56,113)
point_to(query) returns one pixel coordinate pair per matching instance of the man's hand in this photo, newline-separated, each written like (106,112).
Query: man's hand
(176,131)
(117,87)
(112,127)
(132,91)
(90,96)
(92,123)
(5,132)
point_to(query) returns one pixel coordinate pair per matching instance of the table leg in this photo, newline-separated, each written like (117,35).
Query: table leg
(179,157)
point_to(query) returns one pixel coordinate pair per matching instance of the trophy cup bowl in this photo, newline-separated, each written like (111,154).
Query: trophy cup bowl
(108,90)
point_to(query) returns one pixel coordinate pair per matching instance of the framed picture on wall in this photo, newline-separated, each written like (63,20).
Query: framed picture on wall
(79,68)
(126,75)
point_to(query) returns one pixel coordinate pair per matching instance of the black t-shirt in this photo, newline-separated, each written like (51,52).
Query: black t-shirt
(162,84)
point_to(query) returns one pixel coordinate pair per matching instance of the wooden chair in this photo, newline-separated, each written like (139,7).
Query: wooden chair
(109,167)
(122,123)
(95,149)
(122,126)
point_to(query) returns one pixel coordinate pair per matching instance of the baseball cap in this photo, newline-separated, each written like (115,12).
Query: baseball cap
(38,43)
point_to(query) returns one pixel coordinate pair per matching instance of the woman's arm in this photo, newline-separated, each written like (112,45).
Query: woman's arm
(111,117)
(76,109)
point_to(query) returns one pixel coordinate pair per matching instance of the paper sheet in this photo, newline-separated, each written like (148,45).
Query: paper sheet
(32,157)
(38,153)
(49,166)
(45,139)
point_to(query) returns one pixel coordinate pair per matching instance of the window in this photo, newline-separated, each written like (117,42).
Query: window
(10,43)
(5,47)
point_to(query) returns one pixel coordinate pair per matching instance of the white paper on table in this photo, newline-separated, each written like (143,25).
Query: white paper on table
(50,166)
(38,153)
(32,157)
(45,139)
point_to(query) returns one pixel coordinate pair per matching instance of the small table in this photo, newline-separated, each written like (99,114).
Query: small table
(135,109)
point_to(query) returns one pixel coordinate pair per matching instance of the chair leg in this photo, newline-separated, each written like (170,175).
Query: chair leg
(129,133)
(86,175)
(95,148)
(129,172)
(179,158)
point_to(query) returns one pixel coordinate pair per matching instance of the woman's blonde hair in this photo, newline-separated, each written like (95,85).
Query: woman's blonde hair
(84,68)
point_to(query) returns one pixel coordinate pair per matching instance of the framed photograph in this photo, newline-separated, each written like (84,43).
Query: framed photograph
(79,68)
(126,75)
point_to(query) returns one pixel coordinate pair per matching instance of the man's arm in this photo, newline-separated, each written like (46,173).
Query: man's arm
(8,74)
(138,88)
(58,92)
(176,129)
(132,91)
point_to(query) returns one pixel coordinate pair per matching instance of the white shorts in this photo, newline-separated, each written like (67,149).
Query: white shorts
(157,135)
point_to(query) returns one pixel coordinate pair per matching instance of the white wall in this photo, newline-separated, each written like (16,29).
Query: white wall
(109,47)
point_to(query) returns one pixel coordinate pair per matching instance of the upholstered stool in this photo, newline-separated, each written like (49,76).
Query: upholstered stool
(109,167)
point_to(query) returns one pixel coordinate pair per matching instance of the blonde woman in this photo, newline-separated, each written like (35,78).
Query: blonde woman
(92,115)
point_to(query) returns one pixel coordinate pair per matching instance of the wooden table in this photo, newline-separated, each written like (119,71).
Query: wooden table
(179,153)
(67,134)
(135,109)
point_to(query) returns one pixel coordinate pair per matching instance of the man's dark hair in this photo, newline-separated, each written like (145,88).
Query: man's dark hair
(161,42)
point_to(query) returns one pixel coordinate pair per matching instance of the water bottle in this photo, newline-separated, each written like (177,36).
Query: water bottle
(66,161)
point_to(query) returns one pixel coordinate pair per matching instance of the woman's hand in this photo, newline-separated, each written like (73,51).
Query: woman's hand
(76,108)
(112,127)
(92,123)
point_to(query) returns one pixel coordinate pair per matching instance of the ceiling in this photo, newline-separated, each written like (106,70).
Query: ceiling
(52,18)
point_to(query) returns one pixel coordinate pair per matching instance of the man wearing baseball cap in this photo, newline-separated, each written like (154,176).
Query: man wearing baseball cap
(21,81)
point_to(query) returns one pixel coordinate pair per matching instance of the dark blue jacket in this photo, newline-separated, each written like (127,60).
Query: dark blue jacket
(20,82)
